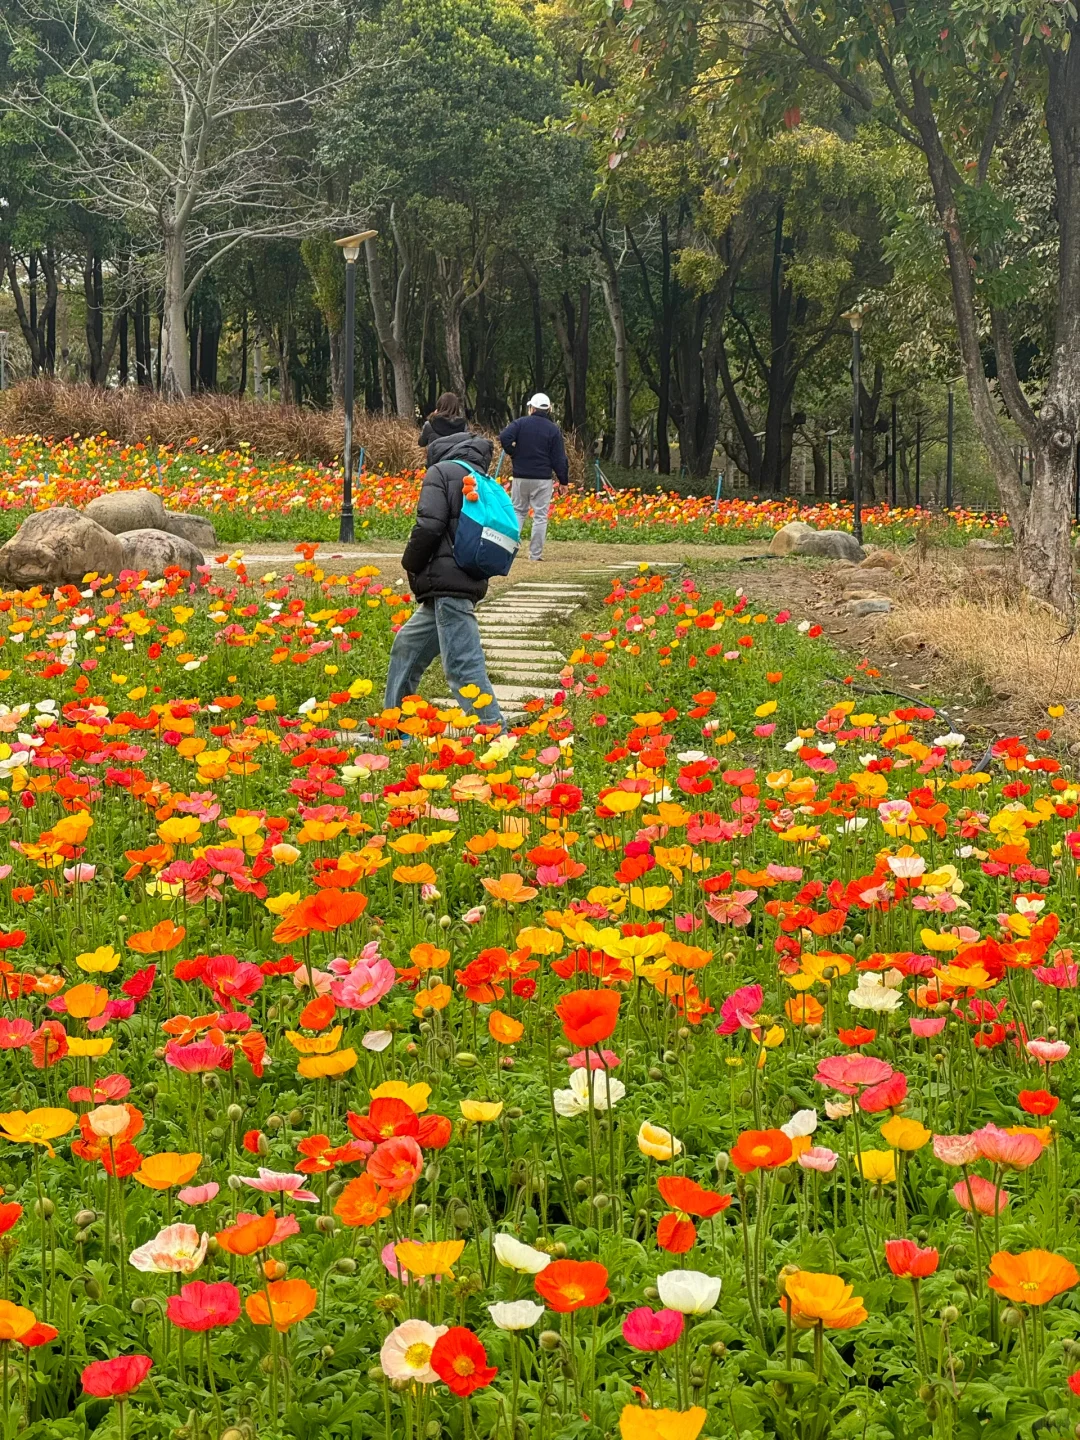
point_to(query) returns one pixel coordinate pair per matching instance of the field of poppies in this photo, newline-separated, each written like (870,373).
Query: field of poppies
(690,1060)
(251,498)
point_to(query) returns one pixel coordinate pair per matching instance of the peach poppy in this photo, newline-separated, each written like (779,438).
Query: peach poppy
(167,1169)
(1032,1277)
(414,875)
(283,1303)
(397,1163)
(510,888)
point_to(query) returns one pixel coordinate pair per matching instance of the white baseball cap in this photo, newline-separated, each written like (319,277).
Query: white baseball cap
(540,401)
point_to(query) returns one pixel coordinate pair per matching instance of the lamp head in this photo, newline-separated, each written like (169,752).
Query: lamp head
(350,246)
(854,318)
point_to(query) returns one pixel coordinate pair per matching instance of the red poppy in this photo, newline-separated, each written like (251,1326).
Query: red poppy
(569,1285)
(760,1150)
(460,1361)
(9,1214)
(39,1334)
(589,1016)
(890,1094)
(909,1260)
(396,1164)
(109,1378)
(676,1231)
(1038,1102)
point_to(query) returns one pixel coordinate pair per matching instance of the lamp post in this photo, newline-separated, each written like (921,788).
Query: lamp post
(854,318)
(949,450)
(3,359)
(350,248)
(918,462)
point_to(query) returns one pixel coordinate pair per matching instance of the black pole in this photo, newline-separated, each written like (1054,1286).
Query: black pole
(918,461)
(829,438)
(949,457)
(856,434)
(347,532)
(893,473)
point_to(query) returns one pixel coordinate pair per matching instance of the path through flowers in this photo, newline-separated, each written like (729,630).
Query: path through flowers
(695,1059)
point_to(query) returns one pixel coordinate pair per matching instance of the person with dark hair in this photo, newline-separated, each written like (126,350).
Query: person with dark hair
(448,418)
(444,621)
(535,446)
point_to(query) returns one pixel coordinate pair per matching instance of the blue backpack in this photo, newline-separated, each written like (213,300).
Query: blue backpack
(488,536)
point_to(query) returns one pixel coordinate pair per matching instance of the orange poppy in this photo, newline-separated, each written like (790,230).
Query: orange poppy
(414,875)
(323,912)
(824,1300)
(283,1303)
(435,996)
(804,1010)
(510,888)
(1032,1277)
(589,1016)
(158,940)
(163,1171)
(504,1029)
(248,1236)
(318,1013)
(426,956)
(760,1150)
(362,1202)
(569,1285)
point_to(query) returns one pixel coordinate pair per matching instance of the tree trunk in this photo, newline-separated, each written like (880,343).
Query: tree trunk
(1044,544)
(175,366)
(538,380)
(452,336)
(390,329)
(820,469)
(572,328)
(122,364)
(620,452)
(241,385)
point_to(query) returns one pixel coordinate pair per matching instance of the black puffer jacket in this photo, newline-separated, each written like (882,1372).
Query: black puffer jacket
(429,556)
(437,427)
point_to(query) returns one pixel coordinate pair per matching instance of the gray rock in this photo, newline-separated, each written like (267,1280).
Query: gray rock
(123,510)
(829,545)
(58,547)
(880,606)
(155,551)
(784,541)
(190,527)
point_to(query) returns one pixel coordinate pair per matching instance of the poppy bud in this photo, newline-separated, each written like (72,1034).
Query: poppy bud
(950,1315)
(722,1161)
(445,922)
(138,1307)
(296,1119)
(92,1289)
(232,1434)
(559,1250)
(601,1202)
(26,800)
(651,1292)
(550,1340)
(784,1276)
(235,1183)
(1011,1317)
(465,1060)
(581,1187)
(926,1392)
(376,1373)
(718,1349)
(325,1224)
(210,1081)
(85,1218)
(274,1122)
(44,1207)
(431,1172)
(235,1113)
(345,1265)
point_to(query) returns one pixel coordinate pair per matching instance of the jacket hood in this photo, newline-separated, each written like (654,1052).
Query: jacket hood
(473,449)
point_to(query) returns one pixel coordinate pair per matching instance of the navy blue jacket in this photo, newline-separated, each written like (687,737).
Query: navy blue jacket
(535,446)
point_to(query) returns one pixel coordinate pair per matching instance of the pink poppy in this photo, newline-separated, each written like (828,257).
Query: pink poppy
(926,1027)
(276,1182)
(652,1330)
(365,985)
(983,1193)
(1047,1052)
(589,1058)
(739,1009)
(198,1194)
(1016,1152)
(819,1158)
(956,1149)
(847,1073)
(198,1057)
(15,1032)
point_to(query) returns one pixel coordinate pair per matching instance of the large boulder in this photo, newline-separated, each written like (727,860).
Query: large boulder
(190,527)
(58,547)
(829,545)
(156,551)
(124,510)
(784,541)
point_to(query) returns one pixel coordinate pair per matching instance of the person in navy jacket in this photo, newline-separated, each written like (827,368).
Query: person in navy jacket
(538,455)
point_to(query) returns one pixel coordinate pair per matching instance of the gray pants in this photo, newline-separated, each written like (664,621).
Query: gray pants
(445,626)
(535,495)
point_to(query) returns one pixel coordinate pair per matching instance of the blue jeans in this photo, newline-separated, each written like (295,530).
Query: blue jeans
(445,626)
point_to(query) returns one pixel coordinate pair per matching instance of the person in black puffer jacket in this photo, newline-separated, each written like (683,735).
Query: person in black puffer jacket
(448,418)
(444,621)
